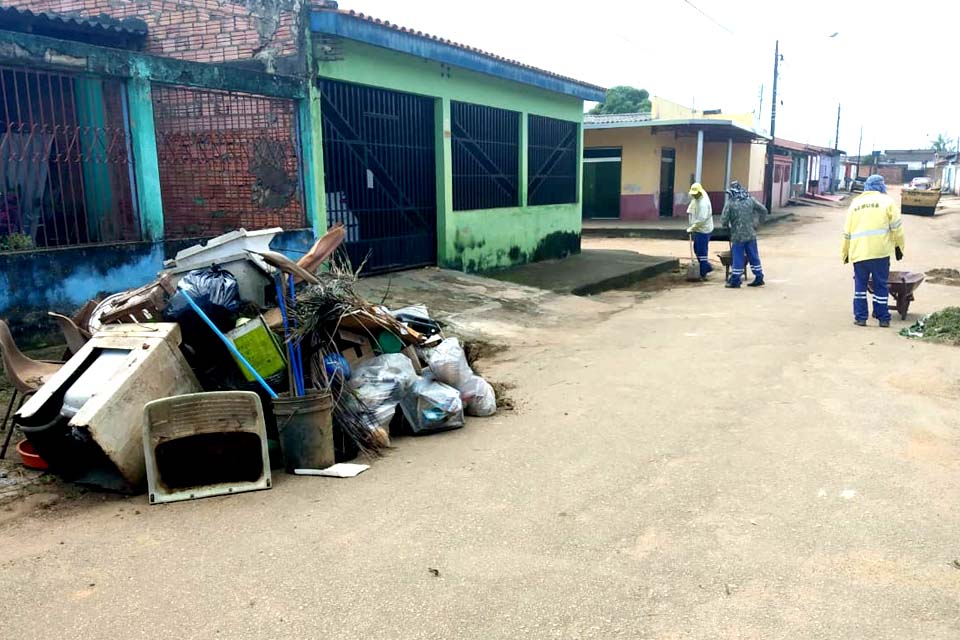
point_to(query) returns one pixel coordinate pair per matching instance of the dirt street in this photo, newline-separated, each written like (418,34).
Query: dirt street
(690,463)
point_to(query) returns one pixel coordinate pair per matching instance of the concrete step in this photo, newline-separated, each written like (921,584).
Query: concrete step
(589,272)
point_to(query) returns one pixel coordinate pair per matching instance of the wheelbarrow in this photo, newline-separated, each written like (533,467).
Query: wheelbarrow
(902,285)
(726,259)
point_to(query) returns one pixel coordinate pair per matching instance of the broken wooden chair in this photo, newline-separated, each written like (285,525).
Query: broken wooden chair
(25,374)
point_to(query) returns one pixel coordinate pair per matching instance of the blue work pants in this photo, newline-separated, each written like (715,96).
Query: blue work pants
(701,249)
(878,270)
(741,252)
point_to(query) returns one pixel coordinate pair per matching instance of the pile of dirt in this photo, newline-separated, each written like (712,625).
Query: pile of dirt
(477,350)
(944,276)
(941,327)
(501,390)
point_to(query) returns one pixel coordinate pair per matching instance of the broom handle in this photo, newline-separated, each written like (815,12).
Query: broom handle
(228,344)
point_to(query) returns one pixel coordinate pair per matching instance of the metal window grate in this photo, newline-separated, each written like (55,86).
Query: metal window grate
(486,156)
(65,162)
(227,160)
(552,158)
(379,162)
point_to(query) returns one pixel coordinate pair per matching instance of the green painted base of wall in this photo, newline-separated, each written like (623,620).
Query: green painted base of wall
(497,238)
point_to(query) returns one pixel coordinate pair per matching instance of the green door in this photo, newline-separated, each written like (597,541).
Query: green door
(601,183)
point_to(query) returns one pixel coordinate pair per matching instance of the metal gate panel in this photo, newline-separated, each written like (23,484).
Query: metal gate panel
(379,160)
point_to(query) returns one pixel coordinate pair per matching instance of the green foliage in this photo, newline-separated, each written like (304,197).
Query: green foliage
(624,99)
(942,143)
(942,326)
(16,242)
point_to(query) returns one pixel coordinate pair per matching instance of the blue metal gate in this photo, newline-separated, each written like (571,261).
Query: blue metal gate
(379,161)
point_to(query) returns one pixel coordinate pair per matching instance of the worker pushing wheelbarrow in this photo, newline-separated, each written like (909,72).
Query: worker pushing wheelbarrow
(741,215)
(873,231)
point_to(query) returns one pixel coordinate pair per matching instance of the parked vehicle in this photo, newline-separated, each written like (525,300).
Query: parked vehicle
(856,185)
(921,183)
(921,202)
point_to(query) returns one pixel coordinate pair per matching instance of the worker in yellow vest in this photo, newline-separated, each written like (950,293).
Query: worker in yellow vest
(872,233)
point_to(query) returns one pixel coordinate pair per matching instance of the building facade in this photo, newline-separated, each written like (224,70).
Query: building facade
(133,129)
(814,170)
(486,150)
(640,168)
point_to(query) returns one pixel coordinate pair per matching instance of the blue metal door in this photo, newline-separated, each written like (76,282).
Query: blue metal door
(379,161)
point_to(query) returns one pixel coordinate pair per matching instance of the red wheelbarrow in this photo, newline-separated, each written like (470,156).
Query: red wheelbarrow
(902,285)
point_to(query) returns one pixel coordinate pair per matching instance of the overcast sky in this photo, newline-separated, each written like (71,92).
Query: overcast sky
(888,68)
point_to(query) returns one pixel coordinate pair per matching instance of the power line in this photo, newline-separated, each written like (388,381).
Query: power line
(701,12)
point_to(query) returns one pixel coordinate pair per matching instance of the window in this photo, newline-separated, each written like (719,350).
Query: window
(65,161)
(486,157)
(552,161)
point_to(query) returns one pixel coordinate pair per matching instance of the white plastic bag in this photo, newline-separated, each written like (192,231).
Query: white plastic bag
(479,398)
(432,406)
(449,365)
(381,382)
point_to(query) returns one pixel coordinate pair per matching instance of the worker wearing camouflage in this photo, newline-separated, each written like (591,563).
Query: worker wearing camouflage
(741,214)
(872,233)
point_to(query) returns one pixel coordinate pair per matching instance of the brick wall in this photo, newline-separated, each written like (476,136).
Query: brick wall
(265,31)
(226,161)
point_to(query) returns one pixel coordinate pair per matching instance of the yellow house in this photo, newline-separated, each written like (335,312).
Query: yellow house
(640,167)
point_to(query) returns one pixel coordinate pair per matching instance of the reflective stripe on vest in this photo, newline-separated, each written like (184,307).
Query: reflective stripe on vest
(872,232)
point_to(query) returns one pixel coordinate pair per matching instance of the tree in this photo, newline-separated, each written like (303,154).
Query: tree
(624,99)
(942,144)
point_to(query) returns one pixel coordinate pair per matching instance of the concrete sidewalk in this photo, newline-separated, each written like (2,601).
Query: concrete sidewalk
(663,228)
(589,272)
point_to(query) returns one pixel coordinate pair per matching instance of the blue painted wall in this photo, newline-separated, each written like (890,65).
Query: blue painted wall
(35,282)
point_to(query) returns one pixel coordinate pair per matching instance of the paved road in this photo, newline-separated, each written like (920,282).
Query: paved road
(699,463)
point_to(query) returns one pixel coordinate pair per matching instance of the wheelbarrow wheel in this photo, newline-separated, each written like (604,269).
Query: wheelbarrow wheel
(903,305)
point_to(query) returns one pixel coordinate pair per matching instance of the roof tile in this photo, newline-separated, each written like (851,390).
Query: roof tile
(354,14)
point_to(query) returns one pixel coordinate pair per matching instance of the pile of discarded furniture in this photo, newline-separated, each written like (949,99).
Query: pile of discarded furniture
(236,360)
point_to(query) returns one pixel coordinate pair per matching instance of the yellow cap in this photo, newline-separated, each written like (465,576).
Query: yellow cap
(696,188)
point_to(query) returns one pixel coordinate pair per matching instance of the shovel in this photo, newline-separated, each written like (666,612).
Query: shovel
(693,269)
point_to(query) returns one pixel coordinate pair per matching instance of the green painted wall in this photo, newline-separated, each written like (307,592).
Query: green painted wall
(311,150)
(146,167)
(484,239)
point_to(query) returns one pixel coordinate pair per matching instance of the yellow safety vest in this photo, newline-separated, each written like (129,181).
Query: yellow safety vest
(873,228)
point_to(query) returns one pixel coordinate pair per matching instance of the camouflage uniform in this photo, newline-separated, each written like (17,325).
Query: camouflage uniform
(741,214)
(742,217)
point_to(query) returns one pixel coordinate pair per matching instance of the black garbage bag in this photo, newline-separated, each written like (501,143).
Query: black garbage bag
(216,292)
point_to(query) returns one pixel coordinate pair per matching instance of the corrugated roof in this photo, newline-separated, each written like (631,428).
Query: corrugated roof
(128,26)
(616,118)
(643,120)
(908,155)
(332,8)
(803,147)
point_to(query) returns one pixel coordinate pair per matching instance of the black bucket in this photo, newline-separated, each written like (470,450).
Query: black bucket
(306,430)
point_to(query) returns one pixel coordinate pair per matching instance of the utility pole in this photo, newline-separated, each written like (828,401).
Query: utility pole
(768,178)
(836,153)
(859,150)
